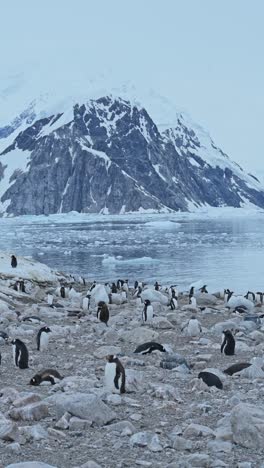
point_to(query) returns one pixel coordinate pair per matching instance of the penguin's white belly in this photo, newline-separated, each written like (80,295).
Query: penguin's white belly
(193,328)
(50,299)
(44,341)
(14,354)
(138,301)
(110,373)
(85,303)
(149,314)
(175,302)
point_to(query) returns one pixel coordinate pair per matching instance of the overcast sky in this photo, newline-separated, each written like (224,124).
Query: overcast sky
(206,56)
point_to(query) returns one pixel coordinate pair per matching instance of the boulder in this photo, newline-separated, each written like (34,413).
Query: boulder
(32,412)
(84,406)
(139,335)
(247,425)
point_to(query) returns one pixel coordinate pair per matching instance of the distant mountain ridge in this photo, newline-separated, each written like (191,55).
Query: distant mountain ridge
(107,155)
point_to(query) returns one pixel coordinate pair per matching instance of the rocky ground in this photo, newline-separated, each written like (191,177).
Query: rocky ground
(167,417)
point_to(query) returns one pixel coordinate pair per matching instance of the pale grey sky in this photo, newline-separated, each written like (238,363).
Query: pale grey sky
(204,55)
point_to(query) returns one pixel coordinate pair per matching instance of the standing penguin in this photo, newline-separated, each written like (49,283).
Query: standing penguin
(203,289)
(174,300)
(43,338)
(156,286)
(62,292)
(191,293)
(103,312)
(228,294)
(114,288)
(192,327)
(147,313)
(192,301)
(115,377)
(228,344)
(20,354)
(13,261)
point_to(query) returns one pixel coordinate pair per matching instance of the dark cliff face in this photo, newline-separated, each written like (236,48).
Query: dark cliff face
(110,157)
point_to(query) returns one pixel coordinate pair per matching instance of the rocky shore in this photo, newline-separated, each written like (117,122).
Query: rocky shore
(167,418)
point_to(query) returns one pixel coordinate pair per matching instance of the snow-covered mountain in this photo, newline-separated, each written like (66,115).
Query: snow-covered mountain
(111,155)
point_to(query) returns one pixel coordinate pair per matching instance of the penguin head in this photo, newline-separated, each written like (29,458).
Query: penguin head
(36,380)
(227,333)
(147,302)
(46,330)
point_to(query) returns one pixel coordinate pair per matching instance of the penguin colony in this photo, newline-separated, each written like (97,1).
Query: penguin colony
(146,312)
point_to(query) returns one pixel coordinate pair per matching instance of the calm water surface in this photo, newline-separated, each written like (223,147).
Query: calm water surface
(223,252)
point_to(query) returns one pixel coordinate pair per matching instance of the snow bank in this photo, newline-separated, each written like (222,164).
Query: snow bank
(26,269)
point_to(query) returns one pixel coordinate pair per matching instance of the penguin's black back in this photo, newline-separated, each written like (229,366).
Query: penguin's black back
(236,368)
(147,348)
(211,379)
(22,350)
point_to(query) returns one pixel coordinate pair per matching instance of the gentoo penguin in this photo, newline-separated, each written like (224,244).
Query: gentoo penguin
(114,288)
(43,338)
(147,348)
(259,296)
(20,354)
(228,294)
(192,327)
(250,295)
(211,380)
(125,286)
(228,344)
(136,284)
(115,377)
(203,289)
(147,313)
(13,261)
(156,286)
(173,301)
(93,286)
(236,368)
(32,319)
(103,312)
(191,293)
(62,292)
(107,288)
(85,303)
(192,301)
(47,375)
(4,336)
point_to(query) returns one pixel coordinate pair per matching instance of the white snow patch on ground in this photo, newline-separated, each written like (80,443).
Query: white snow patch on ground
(157,169)
(26,269)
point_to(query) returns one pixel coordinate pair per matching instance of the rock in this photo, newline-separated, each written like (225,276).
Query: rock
(8,430)
(106,351)
(219,446)
(146,439)
(32,412)
(165,391)
(247,425)
(78,424)
(63,422)
(15,447)
(30,464)
(154,296)
(180,443)
(205,299)
(224,433)
(114,400)
(161,323)
(197,430)
(90,464)
(252,372)
(121,426)
(139,335)
(84,406)
(35,432)
(199,460)
(26,400)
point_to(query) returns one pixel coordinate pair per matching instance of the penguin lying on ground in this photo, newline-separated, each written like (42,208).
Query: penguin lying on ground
(32,319)
(236,368)
(211,380)
(147,348)
(47,375)
(115,377)
(20,354)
